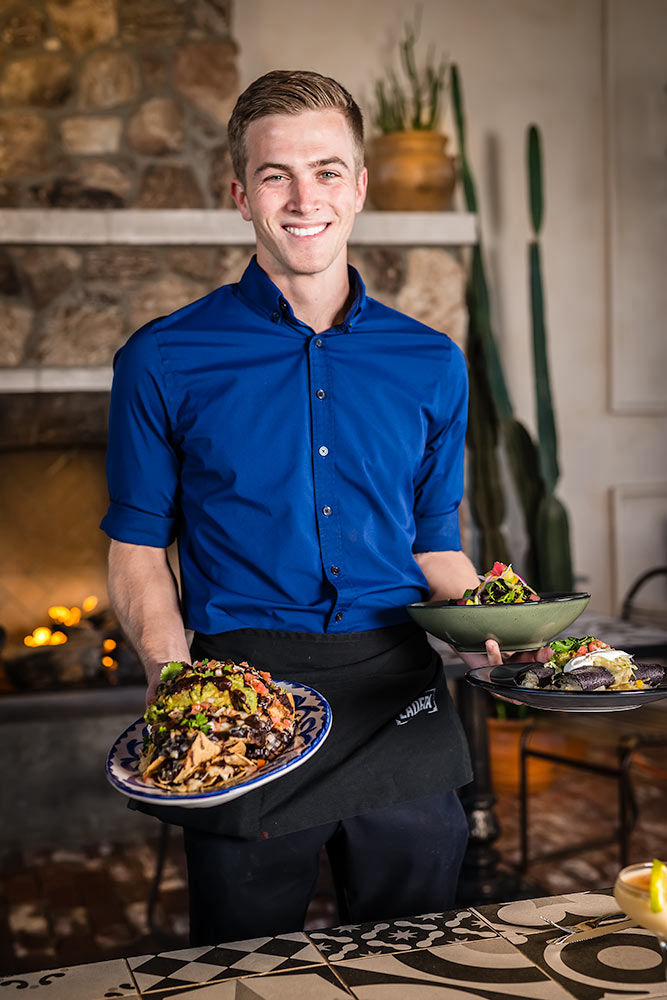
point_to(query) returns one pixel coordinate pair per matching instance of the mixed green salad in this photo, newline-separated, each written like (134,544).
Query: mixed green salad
(501,585)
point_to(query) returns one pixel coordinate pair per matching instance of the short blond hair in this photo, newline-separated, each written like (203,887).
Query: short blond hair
(290,92)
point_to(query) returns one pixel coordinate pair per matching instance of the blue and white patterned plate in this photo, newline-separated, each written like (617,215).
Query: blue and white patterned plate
(312,728)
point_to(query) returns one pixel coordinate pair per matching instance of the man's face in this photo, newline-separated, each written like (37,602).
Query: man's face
(302,190)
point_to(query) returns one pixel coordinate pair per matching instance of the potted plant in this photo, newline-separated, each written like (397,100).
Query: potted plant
(409,167)
(506,727)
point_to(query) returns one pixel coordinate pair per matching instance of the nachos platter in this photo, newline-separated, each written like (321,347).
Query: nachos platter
(216,730)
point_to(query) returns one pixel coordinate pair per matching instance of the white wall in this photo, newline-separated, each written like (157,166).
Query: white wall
(521,61)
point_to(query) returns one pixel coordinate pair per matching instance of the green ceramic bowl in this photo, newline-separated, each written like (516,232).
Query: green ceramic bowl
(514,626)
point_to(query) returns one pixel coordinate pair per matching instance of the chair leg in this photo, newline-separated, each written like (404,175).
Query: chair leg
(155,886)
(627,804)
(523,803)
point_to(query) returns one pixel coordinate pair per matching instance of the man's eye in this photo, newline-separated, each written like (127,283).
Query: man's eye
(328,174)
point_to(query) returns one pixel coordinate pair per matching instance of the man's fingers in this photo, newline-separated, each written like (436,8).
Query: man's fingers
(502,697)
(493,654)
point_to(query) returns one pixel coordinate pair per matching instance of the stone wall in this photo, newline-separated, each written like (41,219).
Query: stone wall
(69,306)
(124,104)
(115,103)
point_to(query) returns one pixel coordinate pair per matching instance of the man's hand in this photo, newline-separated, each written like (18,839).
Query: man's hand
(495,658)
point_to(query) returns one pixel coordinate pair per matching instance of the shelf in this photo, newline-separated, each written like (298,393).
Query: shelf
(44,379)
(207,227)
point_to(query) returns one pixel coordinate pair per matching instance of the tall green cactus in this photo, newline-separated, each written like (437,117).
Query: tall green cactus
(551,530)
(488,391)
(534,470)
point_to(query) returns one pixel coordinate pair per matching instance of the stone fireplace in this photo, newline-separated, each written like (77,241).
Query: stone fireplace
(114,209)
(114,159)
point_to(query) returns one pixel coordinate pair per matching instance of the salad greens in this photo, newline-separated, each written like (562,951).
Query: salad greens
(501,585)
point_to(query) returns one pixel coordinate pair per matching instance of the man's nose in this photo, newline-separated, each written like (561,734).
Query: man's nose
(303,195)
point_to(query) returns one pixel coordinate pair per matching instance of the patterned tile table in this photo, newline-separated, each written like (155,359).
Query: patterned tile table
(494,952)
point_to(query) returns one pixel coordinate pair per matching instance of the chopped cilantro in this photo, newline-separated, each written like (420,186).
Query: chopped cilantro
(198,721)
(171,670)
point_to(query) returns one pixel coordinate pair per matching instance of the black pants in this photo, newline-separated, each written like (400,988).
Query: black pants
(401,860)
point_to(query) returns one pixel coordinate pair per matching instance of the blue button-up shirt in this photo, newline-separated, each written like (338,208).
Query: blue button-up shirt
(299,471)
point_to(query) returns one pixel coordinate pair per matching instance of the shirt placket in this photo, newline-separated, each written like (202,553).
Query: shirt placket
(327,508)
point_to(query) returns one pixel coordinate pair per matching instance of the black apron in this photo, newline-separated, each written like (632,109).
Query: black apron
(395,734)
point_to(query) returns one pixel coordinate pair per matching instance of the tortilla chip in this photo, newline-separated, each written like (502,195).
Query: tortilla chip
(153,765)
(202,749)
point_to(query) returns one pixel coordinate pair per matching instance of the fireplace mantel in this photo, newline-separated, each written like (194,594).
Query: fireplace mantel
(188,227)
(210,227)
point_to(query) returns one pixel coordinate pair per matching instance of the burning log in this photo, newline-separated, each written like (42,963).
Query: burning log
(81,647)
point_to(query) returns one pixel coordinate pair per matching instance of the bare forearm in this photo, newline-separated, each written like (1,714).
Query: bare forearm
(143,594)
(448,574)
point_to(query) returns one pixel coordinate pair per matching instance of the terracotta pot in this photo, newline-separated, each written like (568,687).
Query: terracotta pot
(410,172)
(504,746)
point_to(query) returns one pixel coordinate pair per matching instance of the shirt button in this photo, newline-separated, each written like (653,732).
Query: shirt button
(275,316)
(283,305)
(324,451)
(327,511)
(320,393)
(339,616)
(335,570)
(319,342)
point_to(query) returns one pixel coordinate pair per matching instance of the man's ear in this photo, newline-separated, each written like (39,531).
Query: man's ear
(237,191)
(362,186)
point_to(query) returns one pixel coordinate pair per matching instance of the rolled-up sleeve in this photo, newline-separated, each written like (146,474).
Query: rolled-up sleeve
(439,484)
(142,462)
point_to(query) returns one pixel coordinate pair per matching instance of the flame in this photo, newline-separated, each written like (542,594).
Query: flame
(65,616)
(109,645)
(58,613)
(62,615)
(43,636)
(108,661)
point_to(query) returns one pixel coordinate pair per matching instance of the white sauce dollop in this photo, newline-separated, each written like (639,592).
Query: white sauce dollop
(586,659)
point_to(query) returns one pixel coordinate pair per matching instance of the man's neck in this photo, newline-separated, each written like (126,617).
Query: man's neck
(319,300)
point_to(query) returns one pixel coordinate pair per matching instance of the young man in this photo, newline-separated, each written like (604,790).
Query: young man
(304,443)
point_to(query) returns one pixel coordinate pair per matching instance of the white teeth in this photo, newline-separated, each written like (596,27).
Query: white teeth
(306,230)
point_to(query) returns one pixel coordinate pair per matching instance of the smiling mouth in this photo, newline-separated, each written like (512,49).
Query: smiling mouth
(306,230)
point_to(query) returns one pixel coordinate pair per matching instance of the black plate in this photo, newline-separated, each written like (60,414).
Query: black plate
(500,680)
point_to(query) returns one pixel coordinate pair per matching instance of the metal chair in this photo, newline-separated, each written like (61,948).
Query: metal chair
(629,750)
(630,611)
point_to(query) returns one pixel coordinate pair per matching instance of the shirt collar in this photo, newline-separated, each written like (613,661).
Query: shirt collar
(260,292)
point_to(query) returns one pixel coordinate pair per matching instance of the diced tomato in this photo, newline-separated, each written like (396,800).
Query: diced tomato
(498,569)
(276,713)
(256,684)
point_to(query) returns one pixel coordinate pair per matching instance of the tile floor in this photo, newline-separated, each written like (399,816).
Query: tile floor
(68,907)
